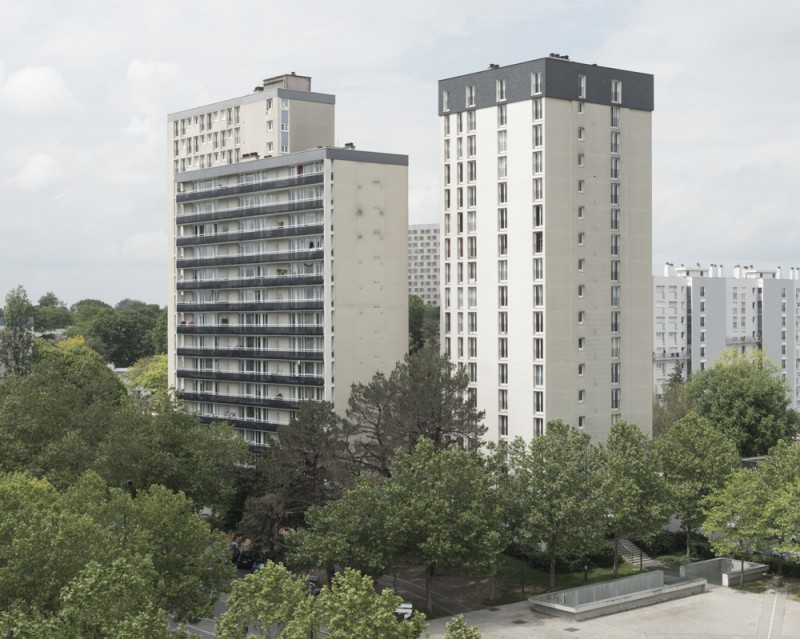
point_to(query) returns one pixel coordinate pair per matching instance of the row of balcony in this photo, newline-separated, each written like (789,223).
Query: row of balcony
(242,400)
(298,230)
(221,190)
(302,255)
(265,305)
(250,329)
(289,279)
(259,378)
(254,353)
(242,423)
(250,211)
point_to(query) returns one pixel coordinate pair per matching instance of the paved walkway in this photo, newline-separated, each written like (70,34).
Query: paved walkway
(720,613)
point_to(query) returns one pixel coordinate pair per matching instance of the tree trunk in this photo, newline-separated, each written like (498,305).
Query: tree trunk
(616,556)
(552,572)
(688,542)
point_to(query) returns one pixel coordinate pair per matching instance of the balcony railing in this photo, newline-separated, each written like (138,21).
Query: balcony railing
(250,329)
(266,305)
(242,423)
(292,279)
(250,187)
(297,230)
(242,400)
(260,378)
(302,255)
(254,353)
(249,211)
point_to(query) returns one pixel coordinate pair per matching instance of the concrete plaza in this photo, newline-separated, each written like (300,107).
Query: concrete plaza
(716,614)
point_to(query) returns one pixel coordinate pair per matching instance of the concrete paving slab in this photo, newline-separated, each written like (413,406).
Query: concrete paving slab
(717,614)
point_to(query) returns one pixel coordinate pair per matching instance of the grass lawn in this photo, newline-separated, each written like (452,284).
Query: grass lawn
(512,571)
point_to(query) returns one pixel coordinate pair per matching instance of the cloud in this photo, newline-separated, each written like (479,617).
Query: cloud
(35,92)
(39,172)
(145,246)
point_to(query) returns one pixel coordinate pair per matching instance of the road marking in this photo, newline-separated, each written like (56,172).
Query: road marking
(772,617)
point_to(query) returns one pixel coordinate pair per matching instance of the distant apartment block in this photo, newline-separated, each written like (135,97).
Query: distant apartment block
(288,264)
(699,312)
(423,262)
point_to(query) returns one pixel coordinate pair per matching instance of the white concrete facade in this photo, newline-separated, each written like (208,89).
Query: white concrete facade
(288,271)
(699,312)
(546,244)
(423,262)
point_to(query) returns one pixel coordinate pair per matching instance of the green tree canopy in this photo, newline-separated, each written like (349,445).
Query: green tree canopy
(149,373)
(695,459)
(16,335)
(423,323)
(745,396)
(427,396)
(556,485)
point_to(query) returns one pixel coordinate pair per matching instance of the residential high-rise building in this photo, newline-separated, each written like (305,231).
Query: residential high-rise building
(546,243)
(423,262)
(271,302)
(699,313)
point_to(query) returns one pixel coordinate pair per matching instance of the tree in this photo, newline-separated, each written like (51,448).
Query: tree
(695,459)
(442,510)
(427,396)
(51,313)
(272,598)
(305,466)
(149,373)
(16,336)
(355,531)
(423,323)
(458,629)
(350,607)
(745,396)
(633,493)
(672,405)
(555,481)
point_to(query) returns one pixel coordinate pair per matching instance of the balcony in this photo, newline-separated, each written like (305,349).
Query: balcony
(268,305)
(242,423)
(242,400)
(260,378)
(747,339)
(250,187)
(253,353)
(669,353)
(250,329)
(250,211)
(292,279)
(304,255)
(298,230)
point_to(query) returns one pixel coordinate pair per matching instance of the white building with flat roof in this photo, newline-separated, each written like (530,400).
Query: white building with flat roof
(288,265)
(546,225)
(423,262)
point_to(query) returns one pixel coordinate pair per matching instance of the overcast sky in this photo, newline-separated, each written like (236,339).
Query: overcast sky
(85,87)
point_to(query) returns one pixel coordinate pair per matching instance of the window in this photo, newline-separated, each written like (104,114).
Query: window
(581,86)
(447,125)
(581,317)
(581,133)
(536,82)
(538,295)
(472,271)
(615,373)
(615,296)
(471,95)
(614,142)
(615,219)
(502,192)
(614,168)
(447,150)
(460,121)
(502,219)
(502,269)
(538,218)
(537,135)
(502,425)
(615,270)
(472,196)
(538,348)
(502,322)
(580,186)
(473,371)
(538,242)
(538,163)
(615,396)
(446,174)
(471,120)
(581,158)
(502,373)
(615,347)
(502,347)
(459,148)
(581,263)
(472,146)
(615,193)
(538,268)
(581,290)
(538,375)
(615,245)
(616,91)
(581,395)
(537,109)
(615,117)
(502,296)
(472,322)
(472,347)
(502,141)
(581,343)
(471,222)
(581,238)
(501,90)
(472,171)
(581,212)
(581,370)
(538,322)
(502,167)
(615,321)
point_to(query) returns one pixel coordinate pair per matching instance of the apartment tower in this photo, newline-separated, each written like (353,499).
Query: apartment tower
(546,243)
(424,262)
(271,303)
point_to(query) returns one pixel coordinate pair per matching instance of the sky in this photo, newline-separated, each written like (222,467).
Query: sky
(86,86)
